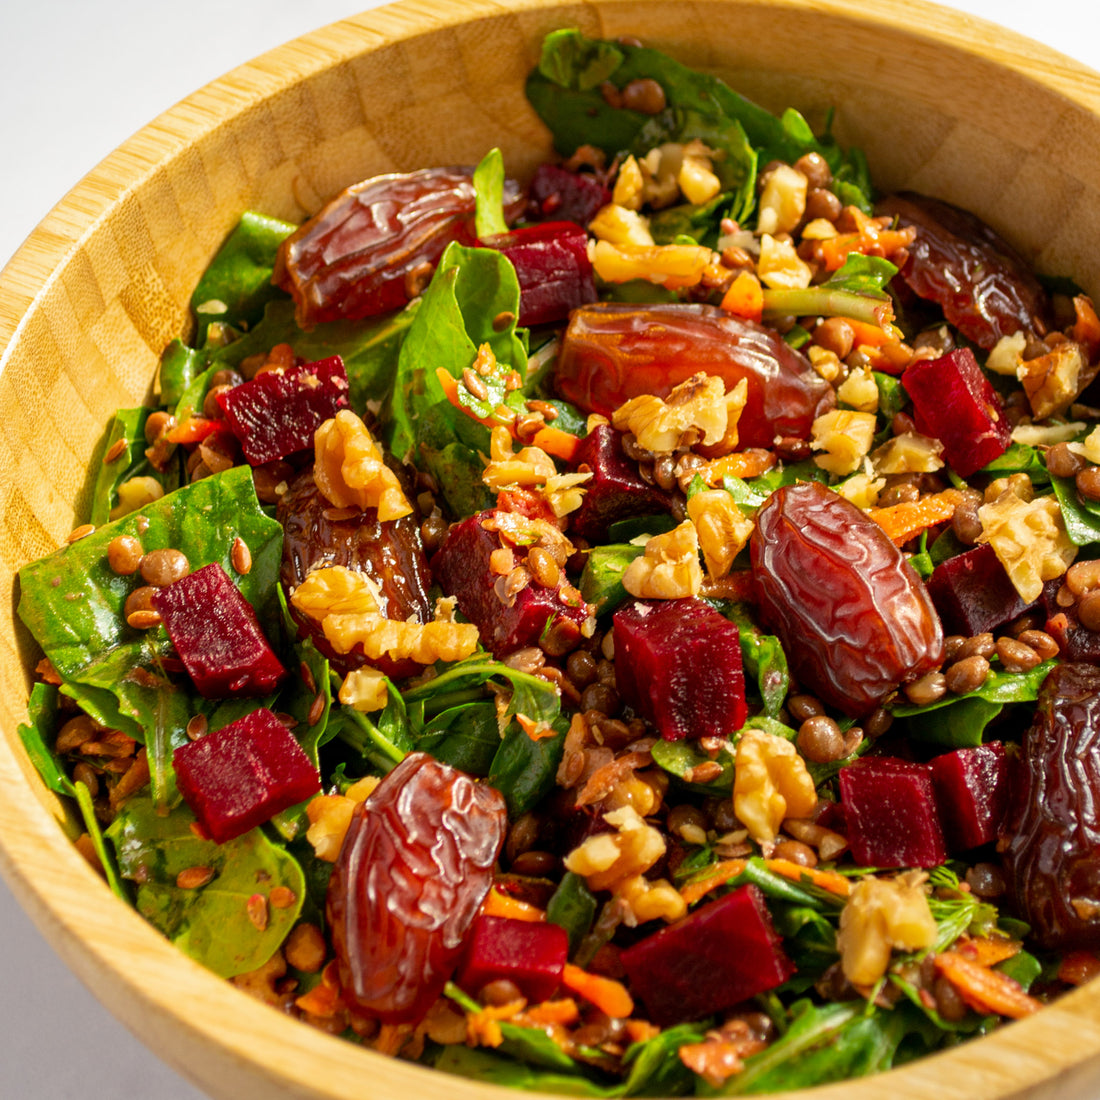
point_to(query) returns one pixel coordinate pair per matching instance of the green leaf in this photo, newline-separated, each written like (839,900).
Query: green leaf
(868,275)
(496,1069)
(36,736)
(655,1065)
(179,367)
(466,736)
(763,658)
(1081,517)
(211,924)
(1019,459)
(1022,967)
(489,188)
(679,758)
(601,582)
(573,906)
(892,397)
(237,285)
(128,427)
(524,770)
(571,60)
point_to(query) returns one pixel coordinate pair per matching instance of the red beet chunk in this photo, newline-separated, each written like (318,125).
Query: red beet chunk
(971,793)
(277,412)
(722,954)
(243,774)
(954,402)
(551,262)
(678,663)
(530,954)
(556,193)
(217,635)
(890,806)
(616,489)
(536,615)
(973,594)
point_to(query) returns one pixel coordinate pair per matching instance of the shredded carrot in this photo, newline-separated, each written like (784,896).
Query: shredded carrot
(1086,329)
(869,239)
(562,1012)
(637,1031)
(321,1000)
(483,1027)
(717,875)
(902,521)
(987,950)
(606,994)
(555,442)
(193,430)
(497,904)
(745,297)
(826,880)
(742,464)
(983,989)
(1079,967)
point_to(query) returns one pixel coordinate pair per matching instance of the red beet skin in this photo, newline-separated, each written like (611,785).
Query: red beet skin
(217,635)
(954,402)
(276,413)
(972,793)
(243,774)
(551,262)
(890,807)
(616,489)
(973,594)
(720,955)
(461,568)
(556,193)
(678,663)
(531,954)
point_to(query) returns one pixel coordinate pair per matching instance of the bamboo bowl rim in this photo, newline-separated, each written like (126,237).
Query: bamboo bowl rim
(219,1038)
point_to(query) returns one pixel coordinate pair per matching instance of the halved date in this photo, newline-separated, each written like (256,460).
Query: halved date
(415,866)
(853,616)
(613,351)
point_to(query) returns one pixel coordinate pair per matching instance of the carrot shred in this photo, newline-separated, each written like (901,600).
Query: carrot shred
(902,521)
(1086,328)
(983,989)
(745,297)
(321,1000)
(717,875)
(869,239)
(555,442)
(1079,967)
(563,1011)
(497,904)
(988,951)
(825,880)
(742,464)
(606,994)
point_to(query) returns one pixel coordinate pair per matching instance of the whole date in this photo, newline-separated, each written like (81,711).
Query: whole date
(413,871)
(854,618)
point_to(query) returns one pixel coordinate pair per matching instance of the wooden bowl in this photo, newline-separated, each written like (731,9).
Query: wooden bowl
(961,109)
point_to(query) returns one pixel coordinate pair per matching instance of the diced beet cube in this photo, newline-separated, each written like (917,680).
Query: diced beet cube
(217,635)
(551,262)
(534,615)
(678,663)
(890,807)
(240,776)
(531,954)
(973,593)
(954,402)
(277,412)
(557,194)
(1075,642)
(615,490)
(718,956)
(971,793)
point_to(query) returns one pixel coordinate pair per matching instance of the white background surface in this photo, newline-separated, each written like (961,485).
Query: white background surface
(77,78)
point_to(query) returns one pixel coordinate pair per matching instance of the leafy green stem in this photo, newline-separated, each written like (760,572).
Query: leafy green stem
(87,812)
(825,301)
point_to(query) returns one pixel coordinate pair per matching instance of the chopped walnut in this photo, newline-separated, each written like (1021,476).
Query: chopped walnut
(628,185)
(349,470)
(1046,435)
(770,783)
(879,915)
(667,265)
(845,437)
(645,900)
(135,493)
(262,982)
(618,225)
(860,391)
(699,403)
(1007,354)
(696,177)
(1029,539)
(1053,381)
(606,859)
(330,815)
(862,489)
(365,689)
(532,468)
(1089,447)
(722,527)
(336,590)
(908,453)
(780,266)
(669,569)
(782,201)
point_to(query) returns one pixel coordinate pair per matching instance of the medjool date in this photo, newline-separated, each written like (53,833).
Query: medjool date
(854,618)
(1051,833)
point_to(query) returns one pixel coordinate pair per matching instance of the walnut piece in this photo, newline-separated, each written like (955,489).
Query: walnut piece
(669,569)
(616,224)
(1053,381)
(532,468)
(349,470)
(782,201)
(879,915)
(908,453)
(723,529)
(607,859)
(845,437)
(698,405)
(780,265)
(668,265)
(365,690)
(770,783)
(1029,539)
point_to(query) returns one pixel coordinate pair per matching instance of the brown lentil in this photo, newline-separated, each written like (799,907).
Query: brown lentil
(522,836)
(432,532)
(305,948)
(580,667)
(256,907)
(543,567)
(156,424)
(211,409)
(501,991)
(1088,483)
(193,878)
(835,334)
(688,822)
(815,168)
(980,645)
(1088,610)
(877,723)
(965,522)
(1062,462)
(316,709)
(240,557)
(822,203)
(536,864)
(644,95)
(84,773)
(796,852)
(271,480)
(600,697)
(1015,655)
(124,554)
(967,675)
(503,319)
(802,707)
(563,636)
(820,740)
(1041,642)
(930,687)
(1083,576)
(162,567)
(226,377)
(143,620)
(475,384)
(952,644)
(75,732)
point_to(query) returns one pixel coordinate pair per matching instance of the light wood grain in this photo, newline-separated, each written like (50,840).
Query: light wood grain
(940,102)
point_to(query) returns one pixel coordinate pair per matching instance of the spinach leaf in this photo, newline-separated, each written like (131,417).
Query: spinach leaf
(867,275)
(466,736)
(179,367)
(1081,517)
(489,188)
(892,397)
(602,578)
(570,60)
(484,1065)
(128,427)
(211,924)
(523,769)
(37,735)
(237,285)
(680,758)
(655,1065)
(1022,967)
(1019,458)
(763,658)
(573,906)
